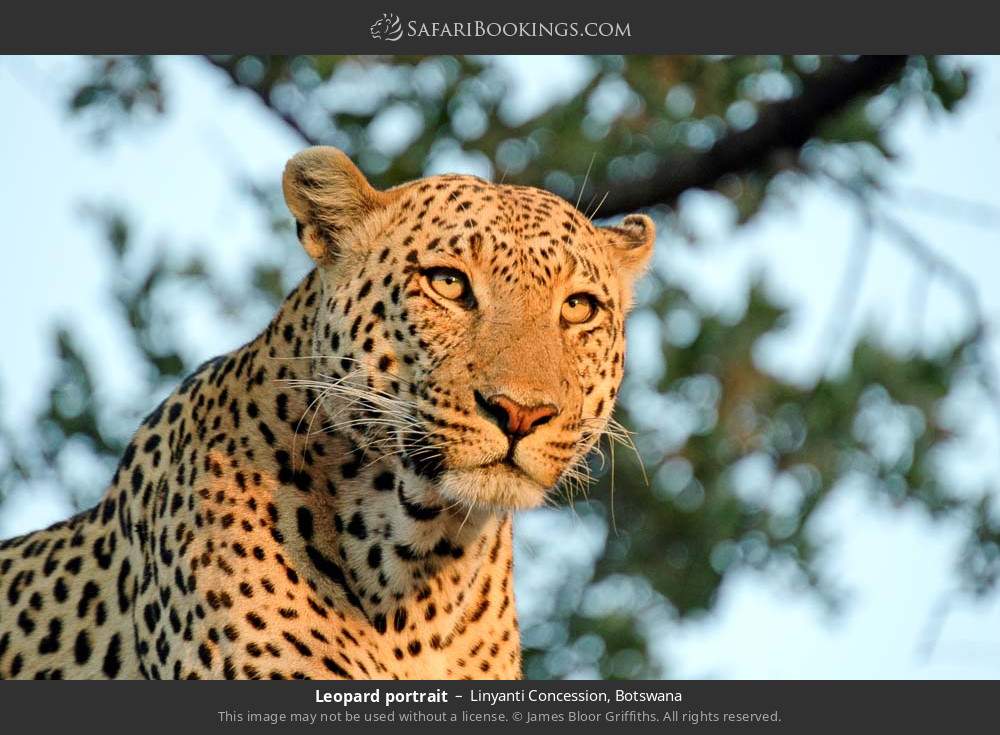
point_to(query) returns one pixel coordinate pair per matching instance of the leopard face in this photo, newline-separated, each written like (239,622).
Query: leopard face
(475,330)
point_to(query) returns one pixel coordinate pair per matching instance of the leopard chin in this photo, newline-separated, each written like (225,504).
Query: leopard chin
(499,487)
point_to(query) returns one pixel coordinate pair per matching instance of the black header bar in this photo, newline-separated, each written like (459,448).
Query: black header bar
(510,26)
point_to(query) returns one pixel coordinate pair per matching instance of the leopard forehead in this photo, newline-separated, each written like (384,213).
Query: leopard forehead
(514,238)
(467,203)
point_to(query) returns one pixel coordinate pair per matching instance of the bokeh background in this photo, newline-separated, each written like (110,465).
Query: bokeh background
(809,484)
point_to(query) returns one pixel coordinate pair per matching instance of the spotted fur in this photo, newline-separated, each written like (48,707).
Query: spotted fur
(334,498)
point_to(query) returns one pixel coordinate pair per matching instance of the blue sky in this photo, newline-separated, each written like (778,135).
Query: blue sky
(177,175)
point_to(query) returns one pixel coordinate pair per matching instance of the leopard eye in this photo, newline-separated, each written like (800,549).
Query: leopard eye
(579,308)
(448,283)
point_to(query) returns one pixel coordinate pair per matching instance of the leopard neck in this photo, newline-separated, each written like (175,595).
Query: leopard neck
(374,528)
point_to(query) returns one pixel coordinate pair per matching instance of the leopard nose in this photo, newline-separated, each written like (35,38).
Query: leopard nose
(515,419)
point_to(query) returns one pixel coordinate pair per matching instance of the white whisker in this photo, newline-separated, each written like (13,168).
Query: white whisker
(583,186)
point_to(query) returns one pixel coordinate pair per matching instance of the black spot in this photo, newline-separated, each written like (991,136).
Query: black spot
(480,610)
(137,479)
(350,469)
(123,572)
(445,548)
(108,510)
(154,418)
(375,556)
(417,511)
(428,461)
(90,591)
(25,623)
(305,521)
(399,619)
(336,668)
(81,649)
(173,413)
(266,432)
(128,457)
(332,570)
(205,654)
(406,552)
(112,659)
(301,647)
(303,480)
(151,614)
(357,527)
(104,557)
(384,481)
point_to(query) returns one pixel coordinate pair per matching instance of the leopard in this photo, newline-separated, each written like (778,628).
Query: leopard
(335,498)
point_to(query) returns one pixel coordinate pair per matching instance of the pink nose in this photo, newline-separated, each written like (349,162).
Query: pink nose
(515,419)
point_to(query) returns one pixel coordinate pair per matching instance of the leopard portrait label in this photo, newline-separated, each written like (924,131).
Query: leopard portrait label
(334,498)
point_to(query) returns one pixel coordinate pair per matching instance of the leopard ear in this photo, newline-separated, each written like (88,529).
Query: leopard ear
(632,243)
(330,199)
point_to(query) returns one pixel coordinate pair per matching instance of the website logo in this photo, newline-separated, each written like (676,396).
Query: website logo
(387,28)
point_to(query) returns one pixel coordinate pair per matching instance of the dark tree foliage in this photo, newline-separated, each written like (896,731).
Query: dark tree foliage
(732,486)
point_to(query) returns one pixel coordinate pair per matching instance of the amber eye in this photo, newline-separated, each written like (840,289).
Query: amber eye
(579,308)
(448,283)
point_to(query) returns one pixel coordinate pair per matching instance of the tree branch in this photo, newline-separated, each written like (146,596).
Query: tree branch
(261,91)
(935,264)
(781,126)
(839,321)
(784,125)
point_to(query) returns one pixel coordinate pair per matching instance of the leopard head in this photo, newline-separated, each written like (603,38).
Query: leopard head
(474,331)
